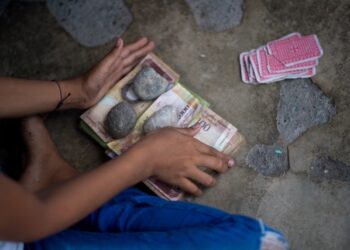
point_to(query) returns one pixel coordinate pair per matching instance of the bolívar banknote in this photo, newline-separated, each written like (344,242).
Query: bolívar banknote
(188,107)
(191,109)
(95,116)
(215,132)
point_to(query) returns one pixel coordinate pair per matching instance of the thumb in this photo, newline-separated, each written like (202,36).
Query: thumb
(192,131)
(117,50)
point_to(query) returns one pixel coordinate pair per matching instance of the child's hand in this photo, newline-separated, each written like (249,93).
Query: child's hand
(97,81)
(173,155)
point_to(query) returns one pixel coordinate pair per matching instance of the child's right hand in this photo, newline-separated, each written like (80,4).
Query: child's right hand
(173,155)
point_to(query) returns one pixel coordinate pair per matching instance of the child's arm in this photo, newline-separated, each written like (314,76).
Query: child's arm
(20,97)
(172,155)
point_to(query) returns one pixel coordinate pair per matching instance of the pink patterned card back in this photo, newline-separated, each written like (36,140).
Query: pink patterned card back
(296,50)
(259,78)
(275,66)
(262,57)
(309,73)
(289,37)
(262,63)
(244,68)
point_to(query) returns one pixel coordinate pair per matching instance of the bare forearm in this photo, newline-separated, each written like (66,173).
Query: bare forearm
(78,197)
(66,204)
(20,97)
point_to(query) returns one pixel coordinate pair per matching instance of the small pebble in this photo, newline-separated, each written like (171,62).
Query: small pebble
(120,120)
(165,117)
(129,94)
(148,84)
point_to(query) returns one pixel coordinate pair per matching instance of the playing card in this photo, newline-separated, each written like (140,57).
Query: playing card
(275,66)
(309,73)
(247,63)
(252,78)
(261,79)
(263,65)
(295,50)
(244,69)
(291,56)
(289,37)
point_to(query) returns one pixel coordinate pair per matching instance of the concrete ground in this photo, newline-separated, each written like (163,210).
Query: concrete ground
(312,215)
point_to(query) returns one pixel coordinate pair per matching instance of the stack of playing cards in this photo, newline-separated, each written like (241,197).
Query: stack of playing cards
(292,56)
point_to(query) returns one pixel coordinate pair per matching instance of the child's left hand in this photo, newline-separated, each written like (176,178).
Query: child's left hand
(119,61)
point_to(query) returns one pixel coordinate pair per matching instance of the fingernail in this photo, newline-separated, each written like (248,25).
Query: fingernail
(231,162)
(195,126)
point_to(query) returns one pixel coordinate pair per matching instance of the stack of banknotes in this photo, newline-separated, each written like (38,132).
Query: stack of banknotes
(215,131)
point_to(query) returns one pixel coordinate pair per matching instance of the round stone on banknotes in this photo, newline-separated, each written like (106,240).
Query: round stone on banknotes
(128,93)
(165,117)
(148,84)
(120,120)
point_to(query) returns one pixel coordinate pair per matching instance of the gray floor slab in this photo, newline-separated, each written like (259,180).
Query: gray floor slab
(302,105)
(216,15)
(92,23)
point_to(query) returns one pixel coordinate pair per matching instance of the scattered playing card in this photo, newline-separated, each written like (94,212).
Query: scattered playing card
(244,68)
(296,50)
(291,56)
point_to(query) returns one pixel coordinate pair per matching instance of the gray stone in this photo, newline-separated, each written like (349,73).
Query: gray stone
(148,84)
(302,105)
(3,5)
(128,93)
(92,23)
(167,116)
(325,168)
(269,160)
(216,16)
(120,120)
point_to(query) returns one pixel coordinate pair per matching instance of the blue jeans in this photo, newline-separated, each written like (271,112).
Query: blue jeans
(135,220)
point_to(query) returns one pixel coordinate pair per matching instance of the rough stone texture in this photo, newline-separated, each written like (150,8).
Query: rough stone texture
(216,16)
(148,84)
(302,105)
(165,117)
(92,23)
(269,160)
(325,168)
(128,93)
(312,215)
(120,120)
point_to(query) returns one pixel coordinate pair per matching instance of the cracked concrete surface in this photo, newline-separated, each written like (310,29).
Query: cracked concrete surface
(312,215)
